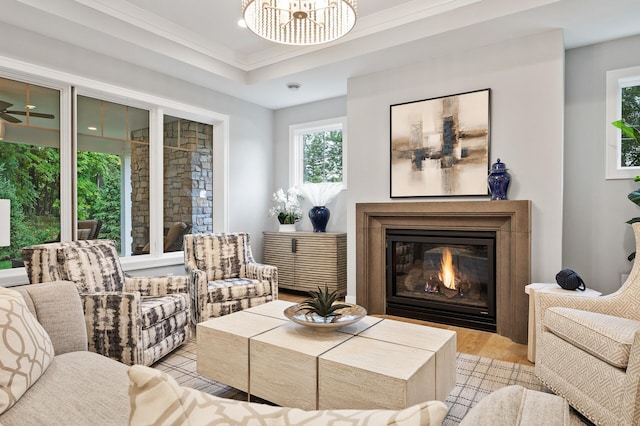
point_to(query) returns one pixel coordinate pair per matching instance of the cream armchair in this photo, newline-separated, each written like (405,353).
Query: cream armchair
(134,320)
(588,350)
(224,277)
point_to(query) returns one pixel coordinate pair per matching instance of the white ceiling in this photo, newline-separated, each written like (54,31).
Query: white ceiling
(199,40)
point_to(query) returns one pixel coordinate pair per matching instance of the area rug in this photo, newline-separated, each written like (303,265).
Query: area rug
(476,378)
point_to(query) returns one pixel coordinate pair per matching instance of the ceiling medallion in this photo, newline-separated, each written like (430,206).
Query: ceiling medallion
(300,23)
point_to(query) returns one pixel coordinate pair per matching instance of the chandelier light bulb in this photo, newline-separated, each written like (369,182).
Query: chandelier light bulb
(297,22)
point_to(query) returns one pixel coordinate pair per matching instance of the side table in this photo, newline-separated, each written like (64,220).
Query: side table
(550,288)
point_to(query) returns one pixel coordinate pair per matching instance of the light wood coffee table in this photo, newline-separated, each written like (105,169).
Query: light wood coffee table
(374,363)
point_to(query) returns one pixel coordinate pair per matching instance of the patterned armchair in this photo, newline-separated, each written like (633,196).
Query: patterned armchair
(224,277)
(588,349)
(135,320)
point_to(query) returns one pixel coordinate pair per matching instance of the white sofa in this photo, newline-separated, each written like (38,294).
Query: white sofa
(78,387)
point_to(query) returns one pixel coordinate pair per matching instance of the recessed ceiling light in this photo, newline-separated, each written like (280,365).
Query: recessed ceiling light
(242,23)
(92,128)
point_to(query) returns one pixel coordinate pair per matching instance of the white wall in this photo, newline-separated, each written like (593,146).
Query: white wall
(250,129)
(526,81)
(315,111)
(596,238)
(250,172)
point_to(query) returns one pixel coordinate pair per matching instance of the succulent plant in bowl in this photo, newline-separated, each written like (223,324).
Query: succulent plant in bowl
(322,303)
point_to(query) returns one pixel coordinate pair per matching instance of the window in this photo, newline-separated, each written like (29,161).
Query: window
(188,179)
(29,165)
(623,102)
(317,152)
(113,172)
(132,155)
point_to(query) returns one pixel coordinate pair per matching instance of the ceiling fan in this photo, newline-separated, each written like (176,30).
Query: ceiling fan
(6,114)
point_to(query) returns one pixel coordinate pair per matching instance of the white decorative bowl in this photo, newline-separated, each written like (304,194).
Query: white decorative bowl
(350,315)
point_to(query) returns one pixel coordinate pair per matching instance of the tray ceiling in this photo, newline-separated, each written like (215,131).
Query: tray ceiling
(200,41)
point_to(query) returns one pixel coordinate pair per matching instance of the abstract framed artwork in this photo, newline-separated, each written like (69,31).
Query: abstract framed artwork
(440,146)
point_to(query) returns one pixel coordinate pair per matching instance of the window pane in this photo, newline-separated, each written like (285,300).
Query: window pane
(113,173)
(630,151)
(188,179)
(29,165)
(322,156)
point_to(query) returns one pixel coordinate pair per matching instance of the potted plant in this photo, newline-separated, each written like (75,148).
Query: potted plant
(287,208)
(634,196)
(322,303)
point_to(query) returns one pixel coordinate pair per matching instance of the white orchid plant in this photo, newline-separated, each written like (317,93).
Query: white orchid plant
(287,206)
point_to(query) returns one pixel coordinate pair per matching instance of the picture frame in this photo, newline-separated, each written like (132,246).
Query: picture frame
(439,147)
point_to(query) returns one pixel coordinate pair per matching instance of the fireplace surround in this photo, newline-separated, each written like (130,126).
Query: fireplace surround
(509,219)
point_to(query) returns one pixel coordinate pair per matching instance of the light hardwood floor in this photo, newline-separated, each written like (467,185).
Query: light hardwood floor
(474,342)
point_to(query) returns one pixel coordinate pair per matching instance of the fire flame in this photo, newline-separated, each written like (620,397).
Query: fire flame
(447,275)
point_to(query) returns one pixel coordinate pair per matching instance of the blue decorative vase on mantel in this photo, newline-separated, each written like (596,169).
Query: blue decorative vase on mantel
(499,180)
(319,216)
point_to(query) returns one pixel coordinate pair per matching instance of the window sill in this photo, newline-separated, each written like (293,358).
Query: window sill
(146,261)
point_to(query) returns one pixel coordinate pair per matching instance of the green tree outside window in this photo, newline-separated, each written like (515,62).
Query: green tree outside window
(629,147)
(322,156)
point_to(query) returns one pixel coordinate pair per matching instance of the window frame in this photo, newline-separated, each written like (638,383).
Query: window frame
(296,157)
(66,158)
(158,107)
(70,86)
(616,81)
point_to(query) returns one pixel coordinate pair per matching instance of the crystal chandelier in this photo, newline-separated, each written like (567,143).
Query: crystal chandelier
(299,22)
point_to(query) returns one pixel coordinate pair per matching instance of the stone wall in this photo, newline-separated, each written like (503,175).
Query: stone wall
(188,179)
(139,188)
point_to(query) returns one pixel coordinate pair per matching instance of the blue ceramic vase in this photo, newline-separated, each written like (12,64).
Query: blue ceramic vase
(499,180)
(319,216)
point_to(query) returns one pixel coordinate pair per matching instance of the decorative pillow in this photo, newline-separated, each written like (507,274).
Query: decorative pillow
(94,266)
(157,399)
(25,348)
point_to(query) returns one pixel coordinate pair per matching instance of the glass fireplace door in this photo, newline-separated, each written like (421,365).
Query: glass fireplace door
(446,276)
